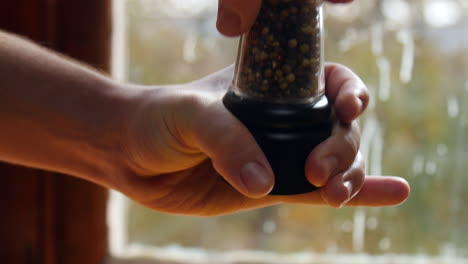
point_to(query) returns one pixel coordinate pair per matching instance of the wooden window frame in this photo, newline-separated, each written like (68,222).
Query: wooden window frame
(50,218)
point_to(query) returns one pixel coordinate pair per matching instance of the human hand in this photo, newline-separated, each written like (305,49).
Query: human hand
(237,16)
(182,141)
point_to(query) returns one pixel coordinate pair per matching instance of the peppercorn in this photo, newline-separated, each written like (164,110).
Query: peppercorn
(282,51)
(305,48)
(292,43)
(290,78)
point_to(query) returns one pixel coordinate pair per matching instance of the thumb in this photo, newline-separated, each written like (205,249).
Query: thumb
(236,16)
(233,151)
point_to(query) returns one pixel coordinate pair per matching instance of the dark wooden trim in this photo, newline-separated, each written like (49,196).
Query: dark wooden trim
(21,201)
(49,218)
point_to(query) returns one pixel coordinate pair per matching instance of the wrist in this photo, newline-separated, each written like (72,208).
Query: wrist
(131,103)
(106,132)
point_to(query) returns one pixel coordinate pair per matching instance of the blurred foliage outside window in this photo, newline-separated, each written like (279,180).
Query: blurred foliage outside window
(413,55)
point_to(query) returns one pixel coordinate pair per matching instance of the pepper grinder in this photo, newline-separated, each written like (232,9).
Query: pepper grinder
(278,91)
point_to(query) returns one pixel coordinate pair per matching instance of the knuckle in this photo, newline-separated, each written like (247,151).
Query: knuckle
(358,176)
(359,173)
(193,101)
(360,162)
(351,143)
(356,131)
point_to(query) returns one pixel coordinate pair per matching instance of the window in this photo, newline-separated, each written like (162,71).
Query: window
(413,55)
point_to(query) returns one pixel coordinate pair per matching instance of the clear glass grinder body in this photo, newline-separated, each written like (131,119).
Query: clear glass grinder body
(279,86)
(281,58)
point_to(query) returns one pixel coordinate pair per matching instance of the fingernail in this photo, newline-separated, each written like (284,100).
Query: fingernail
(230,21)
(256,178)
(349,187)
(329,164)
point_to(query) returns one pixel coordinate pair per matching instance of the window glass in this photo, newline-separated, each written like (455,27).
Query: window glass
(413,55)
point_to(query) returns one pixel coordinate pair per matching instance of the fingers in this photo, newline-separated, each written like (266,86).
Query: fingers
(341,188)
(335,155)
(236,16)
(346,91)
(233,151)
(382,191)
(349,97)
(376,191)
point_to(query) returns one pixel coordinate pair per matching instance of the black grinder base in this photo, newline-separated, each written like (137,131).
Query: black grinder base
(286,133)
